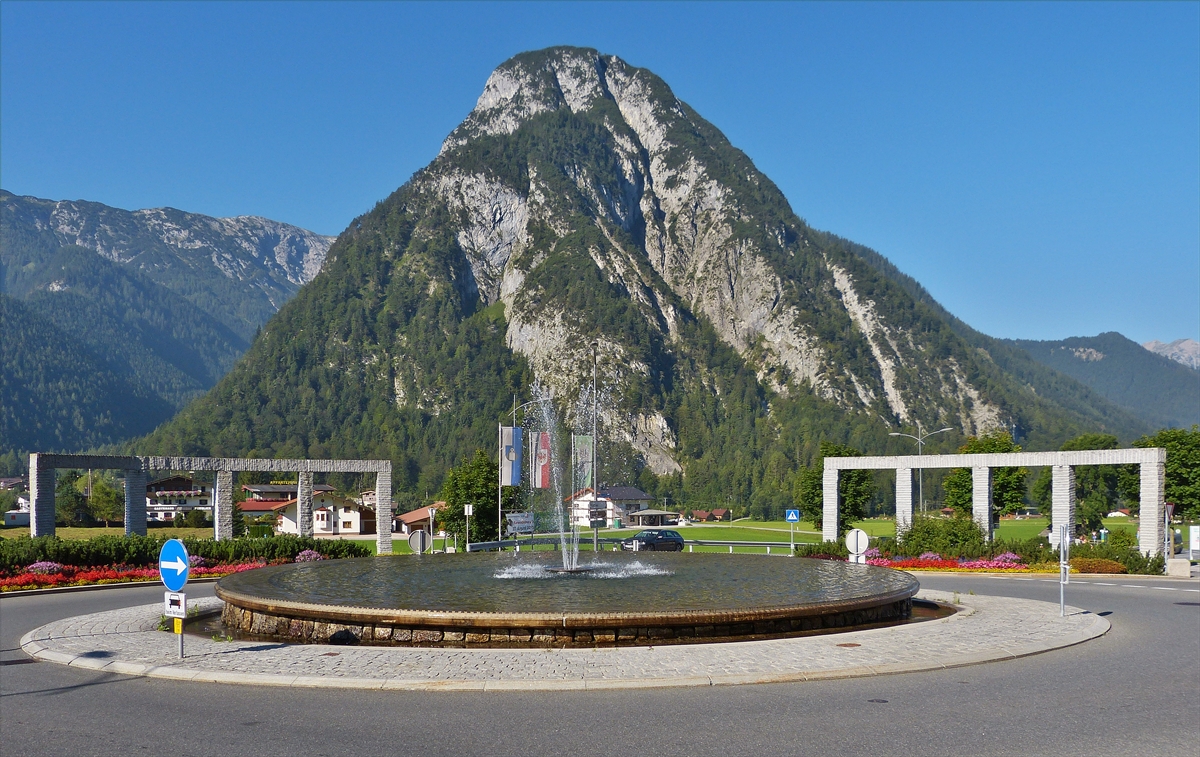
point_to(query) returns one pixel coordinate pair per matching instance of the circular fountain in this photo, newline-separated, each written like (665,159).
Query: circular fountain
(512,599)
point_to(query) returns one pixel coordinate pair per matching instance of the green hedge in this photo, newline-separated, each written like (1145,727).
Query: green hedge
(143,550)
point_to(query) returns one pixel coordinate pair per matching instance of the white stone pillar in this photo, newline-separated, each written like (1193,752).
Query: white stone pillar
(1062,497)
(981,499)
(41,497)
(904,500)
(304,503)
(383,513)
(223,505)
(1151,537)
(135,502)
(829,504)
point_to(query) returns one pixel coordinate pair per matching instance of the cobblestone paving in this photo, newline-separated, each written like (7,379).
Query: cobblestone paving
(988,628)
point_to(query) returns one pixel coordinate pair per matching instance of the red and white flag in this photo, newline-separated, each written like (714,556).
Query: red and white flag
(541,461)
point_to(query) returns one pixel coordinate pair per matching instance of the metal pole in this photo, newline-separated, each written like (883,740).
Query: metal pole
(499,488)
(180,635)
(595,439)
(1064,569)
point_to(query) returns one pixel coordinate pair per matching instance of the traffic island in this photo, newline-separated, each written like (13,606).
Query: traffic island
(985,629)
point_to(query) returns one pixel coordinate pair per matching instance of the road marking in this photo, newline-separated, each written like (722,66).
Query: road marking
(1164,588)
(1024,579)
(1101,583)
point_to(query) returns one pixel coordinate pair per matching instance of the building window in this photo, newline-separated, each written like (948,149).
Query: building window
(345,524)
(204,503)
(345,509)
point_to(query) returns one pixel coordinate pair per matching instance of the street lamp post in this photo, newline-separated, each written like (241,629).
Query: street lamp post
(920,440)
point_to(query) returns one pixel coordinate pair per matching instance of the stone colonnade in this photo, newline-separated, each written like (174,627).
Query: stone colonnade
(42,467)
(1150,461)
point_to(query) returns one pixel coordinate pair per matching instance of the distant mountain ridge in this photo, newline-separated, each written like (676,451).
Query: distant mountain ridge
(1159,390)
(239,270)
(582,203)
(157,305)
(1185,351)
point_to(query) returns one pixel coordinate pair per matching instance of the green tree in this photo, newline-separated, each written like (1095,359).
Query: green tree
(1008,484)
(1097,487)
(70,506)
(239,521)
(475,482)
(107,502)
(855,489)
(1182,485)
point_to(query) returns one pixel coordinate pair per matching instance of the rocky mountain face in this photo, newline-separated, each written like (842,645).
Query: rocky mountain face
(581,203)
(1185,351)
(239,270)
(154,305)
(1157,389)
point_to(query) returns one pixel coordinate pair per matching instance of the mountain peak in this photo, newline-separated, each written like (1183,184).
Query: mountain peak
(557,78)
(1186,351)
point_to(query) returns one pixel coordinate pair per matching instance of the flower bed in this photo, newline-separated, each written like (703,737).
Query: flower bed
(45,577)
(1003,563)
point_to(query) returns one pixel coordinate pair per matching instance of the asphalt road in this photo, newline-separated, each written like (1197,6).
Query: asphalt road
(1135,691)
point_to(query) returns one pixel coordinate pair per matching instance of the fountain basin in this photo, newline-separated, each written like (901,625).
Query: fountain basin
(515,599)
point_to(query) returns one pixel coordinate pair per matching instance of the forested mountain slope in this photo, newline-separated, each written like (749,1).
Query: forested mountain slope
(1161,391)
(157,305)
(580,202)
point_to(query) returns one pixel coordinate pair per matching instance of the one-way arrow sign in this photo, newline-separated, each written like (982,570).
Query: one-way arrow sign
(173,565)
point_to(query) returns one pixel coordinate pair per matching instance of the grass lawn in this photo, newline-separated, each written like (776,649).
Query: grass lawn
(66,532)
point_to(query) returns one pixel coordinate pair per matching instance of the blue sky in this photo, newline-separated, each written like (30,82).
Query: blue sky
(1035,166)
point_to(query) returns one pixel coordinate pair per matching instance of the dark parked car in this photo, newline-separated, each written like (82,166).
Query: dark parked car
(655,539)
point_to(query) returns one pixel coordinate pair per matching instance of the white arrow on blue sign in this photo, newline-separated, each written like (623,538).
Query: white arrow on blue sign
(173,565)
(793,516)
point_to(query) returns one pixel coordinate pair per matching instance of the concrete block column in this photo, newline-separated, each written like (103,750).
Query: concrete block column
(41,497)
(829,504)
(383,512)
(135,502)
(904,500)
(1151,536)
(304,503)
(981,499)
(223,505)
(1062,498)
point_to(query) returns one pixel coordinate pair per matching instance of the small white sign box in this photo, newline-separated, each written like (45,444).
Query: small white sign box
(175,605)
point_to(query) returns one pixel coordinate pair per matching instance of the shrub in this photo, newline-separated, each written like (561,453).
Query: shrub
(309,555)
(827,550)
(1122,538)
(948,537)
(143,550)
(45,567)
(1097,565)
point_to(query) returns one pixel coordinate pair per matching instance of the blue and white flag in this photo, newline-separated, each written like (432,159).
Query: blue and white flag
(510,455)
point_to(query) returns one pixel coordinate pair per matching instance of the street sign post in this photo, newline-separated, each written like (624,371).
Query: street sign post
(857,541)
(468,511)
(793,517)
(1064,568)
(173,569)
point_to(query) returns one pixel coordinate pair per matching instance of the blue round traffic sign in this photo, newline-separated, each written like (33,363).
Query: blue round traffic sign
(173,565)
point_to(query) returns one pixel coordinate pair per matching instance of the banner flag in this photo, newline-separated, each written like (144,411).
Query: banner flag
(510,455)
(541,461)
(581,446)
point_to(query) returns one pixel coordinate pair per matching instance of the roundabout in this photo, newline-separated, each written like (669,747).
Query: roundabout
(985,629)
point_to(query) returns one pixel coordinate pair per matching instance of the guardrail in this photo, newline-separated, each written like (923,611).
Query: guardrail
(554,541)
